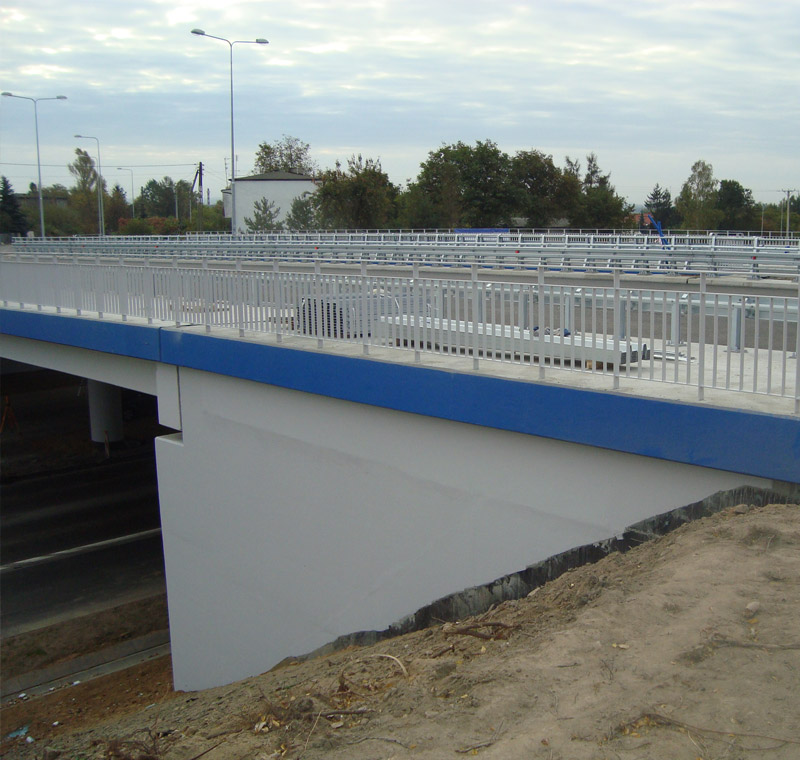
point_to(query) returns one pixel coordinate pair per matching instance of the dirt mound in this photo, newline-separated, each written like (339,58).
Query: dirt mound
(685,647)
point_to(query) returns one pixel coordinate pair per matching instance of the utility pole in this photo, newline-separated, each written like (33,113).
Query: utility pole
(198,179)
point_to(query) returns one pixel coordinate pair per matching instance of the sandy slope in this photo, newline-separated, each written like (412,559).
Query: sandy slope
(650,654)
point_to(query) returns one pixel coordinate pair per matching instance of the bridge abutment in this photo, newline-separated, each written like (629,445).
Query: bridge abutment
(290,518)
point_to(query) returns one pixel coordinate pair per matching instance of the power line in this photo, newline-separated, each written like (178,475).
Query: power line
(133,166)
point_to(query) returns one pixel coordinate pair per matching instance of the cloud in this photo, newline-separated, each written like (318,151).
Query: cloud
(675,81)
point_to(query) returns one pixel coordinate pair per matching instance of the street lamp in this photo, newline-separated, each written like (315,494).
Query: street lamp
(133,202)
(101,223)
(231,43)
(38,160)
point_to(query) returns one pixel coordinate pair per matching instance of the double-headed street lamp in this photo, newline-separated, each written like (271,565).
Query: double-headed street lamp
(38,159)
(101,222)
(231,43)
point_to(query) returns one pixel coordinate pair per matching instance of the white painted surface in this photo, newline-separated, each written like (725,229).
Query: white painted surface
(290,519)
(124,371)
(169,396)
(282,192)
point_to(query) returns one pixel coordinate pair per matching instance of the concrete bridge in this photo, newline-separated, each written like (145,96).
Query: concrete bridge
(355,440)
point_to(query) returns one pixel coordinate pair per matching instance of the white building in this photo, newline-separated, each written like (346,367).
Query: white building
(279,187)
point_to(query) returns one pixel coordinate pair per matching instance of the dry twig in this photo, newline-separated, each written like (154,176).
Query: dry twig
(380,739)
(663,720)
(394,659)
(308,738)
(482,745)
(721,641)
(472,629)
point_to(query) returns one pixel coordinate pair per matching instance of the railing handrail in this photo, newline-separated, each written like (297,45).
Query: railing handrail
(464,308)
(753,256)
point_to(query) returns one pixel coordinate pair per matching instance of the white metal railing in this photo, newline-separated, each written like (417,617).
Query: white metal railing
(732,334)
(634,251)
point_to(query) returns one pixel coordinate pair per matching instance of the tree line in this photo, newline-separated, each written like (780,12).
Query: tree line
(458,186)
(162,207)
(481,186)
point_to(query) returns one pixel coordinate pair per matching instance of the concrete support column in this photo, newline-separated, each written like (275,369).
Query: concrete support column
(105,412)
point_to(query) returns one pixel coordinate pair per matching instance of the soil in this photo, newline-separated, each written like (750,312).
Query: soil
(60,643)
(685,647)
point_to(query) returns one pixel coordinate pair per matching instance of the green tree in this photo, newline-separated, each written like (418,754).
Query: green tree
(540,184)
(592,202)
(569,196)
(167,198)
(12,220)
(136,226)
(737,208)
(659,204)
(469,186)
(83,195)
(116,209)
(289,154)
(302,214)
(82,168)
(265,217)
(415,209)
(212,218)
(362,197)
(697,201)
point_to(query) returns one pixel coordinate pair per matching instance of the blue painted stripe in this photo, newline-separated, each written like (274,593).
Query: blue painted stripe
(736,440)
(121,338)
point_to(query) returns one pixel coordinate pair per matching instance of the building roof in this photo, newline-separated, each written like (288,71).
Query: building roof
(276,177)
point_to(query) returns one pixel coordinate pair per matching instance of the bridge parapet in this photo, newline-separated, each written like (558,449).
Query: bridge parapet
(691,329)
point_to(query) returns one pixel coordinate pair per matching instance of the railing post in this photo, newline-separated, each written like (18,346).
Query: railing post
(366,310)
(621,324)
(415,310)
(735,314)
(150,293)
(476,308)
(319,309)
(540,302)
(615,339)
(78,281)
(100,292)
(796,356)
(568,313)
(37,285)
(122,279)
(239,291)
(208,295)
(278,290)
(525,308)
(701,357)
(675,326)
(176,294)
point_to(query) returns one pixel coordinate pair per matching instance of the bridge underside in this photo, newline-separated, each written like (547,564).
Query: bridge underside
(309,495)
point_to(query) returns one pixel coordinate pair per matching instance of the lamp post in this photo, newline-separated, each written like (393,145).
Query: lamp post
(133,202)
(231,43)
(101,223)
(38,159)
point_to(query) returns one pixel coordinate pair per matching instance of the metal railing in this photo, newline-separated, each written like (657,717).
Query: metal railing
(634,252)
(691,329)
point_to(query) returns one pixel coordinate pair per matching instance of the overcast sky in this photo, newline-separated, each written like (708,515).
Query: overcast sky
(649,86)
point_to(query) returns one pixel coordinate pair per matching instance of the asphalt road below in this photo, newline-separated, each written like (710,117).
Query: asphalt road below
(79,532)
(50,513)
(80,584)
